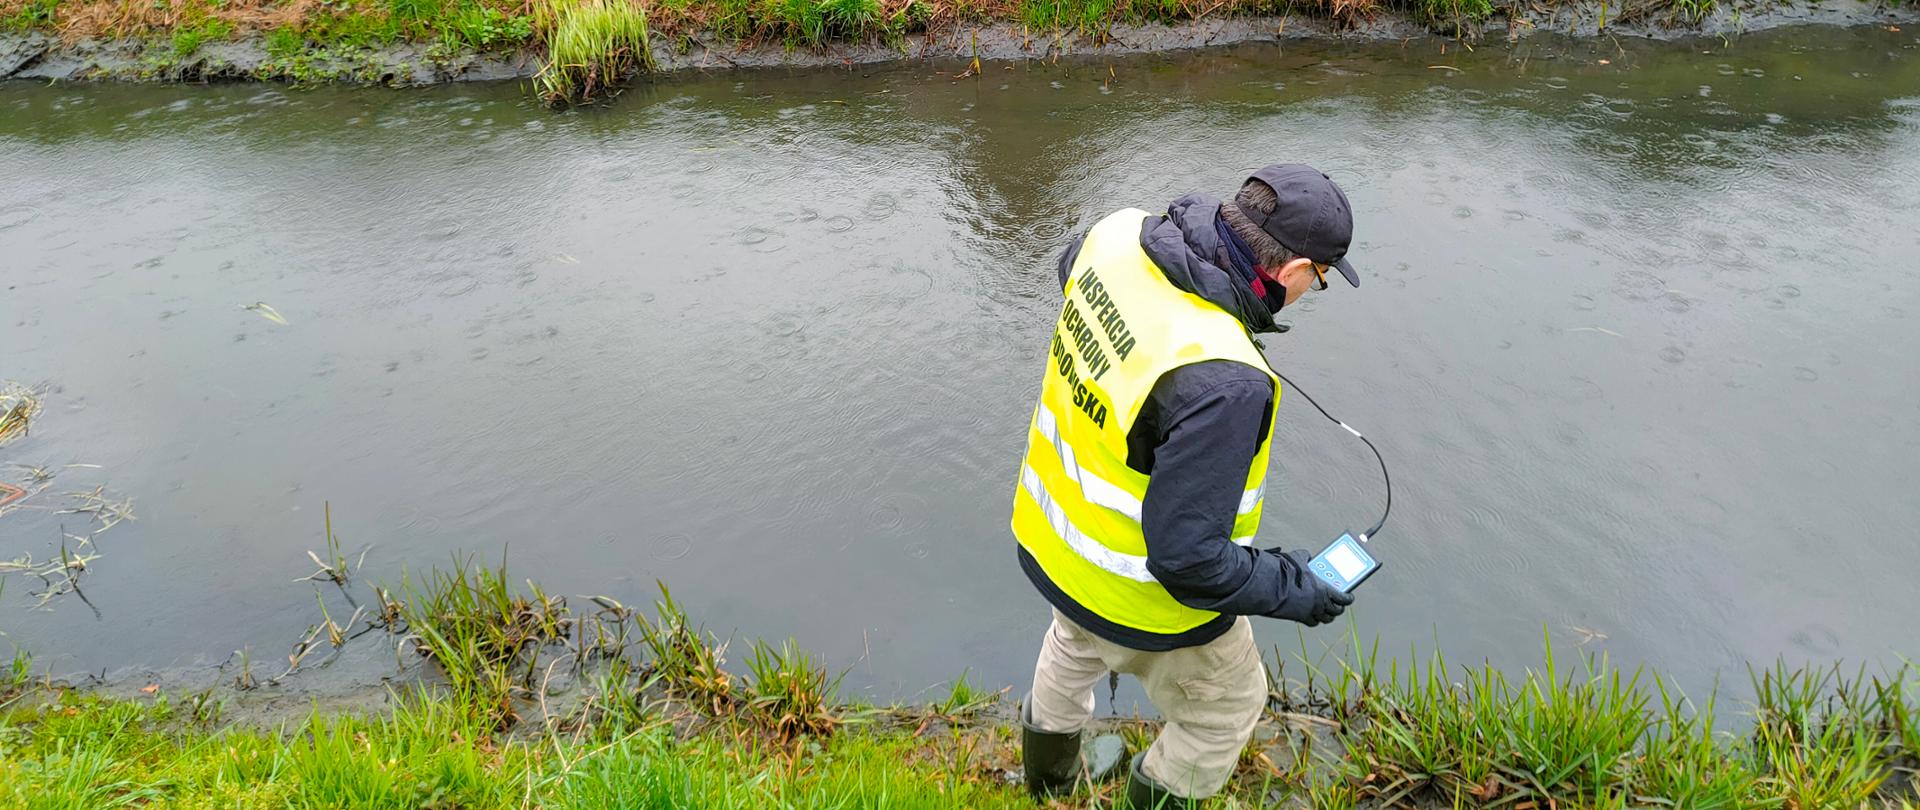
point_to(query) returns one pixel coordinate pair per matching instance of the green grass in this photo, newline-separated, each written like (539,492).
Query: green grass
(1897,700)
(188,39)
(17,677)
(964,699)
(1684,761)
(285,43)
(1454,13)
(413,10)
(1693,12)
(33,14)
(85,752)
(590,47)
(484,27)
(19,672)
(795,696)
(1424,733)
(483,634)
(593,46)
(688,662)
(1096,16)
(660,721)
(1571,734)
(1819,737)
(816,21)
(1591,735)
(426,753)
(350,29)
(1587,736)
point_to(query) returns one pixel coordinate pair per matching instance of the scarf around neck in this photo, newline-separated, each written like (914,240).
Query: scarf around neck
(1241,264)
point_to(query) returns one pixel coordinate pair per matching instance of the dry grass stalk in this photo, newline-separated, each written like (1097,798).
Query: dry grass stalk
(335,568)
(77,552)
(60,577)
(93,19)
(300,650)
(243,680)
(99,504)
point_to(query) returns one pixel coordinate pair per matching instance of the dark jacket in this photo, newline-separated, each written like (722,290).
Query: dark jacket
(1196,435)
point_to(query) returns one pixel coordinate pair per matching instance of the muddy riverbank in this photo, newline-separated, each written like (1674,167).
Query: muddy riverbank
(48,56)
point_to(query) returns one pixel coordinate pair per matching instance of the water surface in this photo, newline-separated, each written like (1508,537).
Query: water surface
(1636,335)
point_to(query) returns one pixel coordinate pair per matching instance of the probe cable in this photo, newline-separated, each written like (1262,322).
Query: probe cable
(1364,536)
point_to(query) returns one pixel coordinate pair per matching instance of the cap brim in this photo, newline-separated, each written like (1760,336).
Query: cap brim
(1346,269)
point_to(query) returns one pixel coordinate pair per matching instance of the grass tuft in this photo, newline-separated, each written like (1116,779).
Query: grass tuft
(482,634)
(684,662)
(1595,736)
(16,678)
(188,39)
(285,43)
(1456,16)
(1573,736)
(483,27)
(31,15)
(1693,12)
(594,44)
(791,694)
(1422,733)
(1815,740)
(965,700)
(1684,763)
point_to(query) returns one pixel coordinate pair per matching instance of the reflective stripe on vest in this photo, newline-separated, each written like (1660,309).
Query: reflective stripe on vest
(1101,492)
(1077,508)
(1131,566)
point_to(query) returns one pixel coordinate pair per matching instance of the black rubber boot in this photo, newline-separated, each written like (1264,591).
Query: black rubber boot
(1145,794)
(1053,762)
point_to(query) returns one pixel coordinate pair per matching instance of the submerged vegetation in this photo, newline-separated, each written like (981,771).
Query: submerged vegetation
(19,405)
(536,704)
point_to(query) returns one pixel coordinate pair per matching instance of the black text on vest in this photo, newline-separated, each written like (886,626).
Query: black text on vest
(1106,314)
(1083,398)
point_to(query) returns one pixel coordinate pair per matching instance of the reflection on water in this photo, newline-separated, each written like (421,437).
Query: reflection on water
(1636,338)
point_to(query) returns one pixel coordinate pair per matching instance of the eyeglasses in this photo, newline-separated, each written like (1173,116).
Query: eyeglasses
(1319,275)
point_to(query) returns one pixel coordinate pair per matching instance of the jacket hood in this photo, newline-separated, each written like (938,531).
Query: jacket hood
(1186,247)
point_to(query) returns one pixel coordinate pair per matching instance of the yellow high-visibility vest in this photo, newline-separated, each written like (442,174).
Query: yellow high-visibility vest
(1077,507)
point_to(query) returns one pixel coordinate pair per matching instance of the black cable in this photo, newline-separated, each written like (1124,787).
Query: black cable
(1368,534)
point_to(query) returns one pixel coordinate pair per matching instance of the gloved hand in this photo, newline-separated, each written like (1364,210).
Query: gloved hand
(1307,598)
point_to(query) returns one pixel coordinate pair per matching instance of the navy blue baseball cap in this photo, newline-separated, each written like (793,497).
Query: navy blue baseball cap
(1312,218)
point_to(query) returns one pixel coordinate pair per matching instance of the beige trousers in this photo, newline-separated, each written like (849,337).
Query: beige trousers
(1210,696)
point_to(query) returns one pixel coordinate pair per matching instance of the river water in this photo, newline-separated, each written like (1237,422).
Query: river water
(1637,337)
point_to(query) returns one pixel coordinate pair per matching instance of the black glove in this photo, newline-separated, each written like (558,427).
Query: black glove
(1305,598)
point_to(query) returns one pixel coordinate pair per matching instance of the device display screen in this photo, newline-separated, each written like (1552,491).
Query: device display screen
(1344,564)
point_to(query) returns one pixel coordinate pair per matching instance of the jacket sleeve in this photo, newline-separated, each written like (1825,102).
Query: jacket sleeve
(1067,256)
(1207,442)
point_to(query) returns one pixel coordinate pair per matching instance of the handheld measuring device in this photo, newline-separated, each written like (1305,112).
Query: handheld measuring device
(1347,562)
